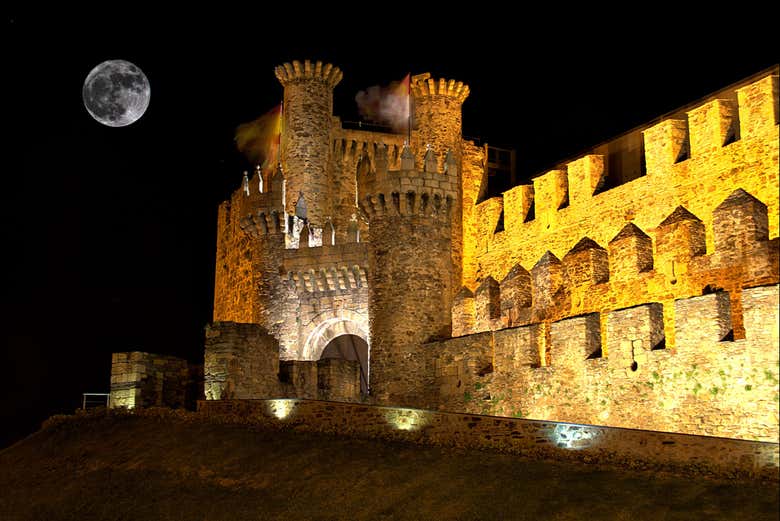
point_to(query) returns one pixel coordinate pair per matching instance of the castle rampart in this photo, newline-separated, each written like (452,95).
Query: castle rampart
(709,385)
(701,226)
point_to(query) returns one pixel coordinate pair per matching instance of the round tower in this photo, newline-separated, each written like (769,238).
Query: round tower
(306,129)
(438,118)
(438,123)
(409,295)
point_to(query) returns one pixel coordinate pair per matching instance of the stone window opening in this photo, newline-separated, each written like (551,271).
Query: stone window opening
(732,133)
(634,364)
(300,207)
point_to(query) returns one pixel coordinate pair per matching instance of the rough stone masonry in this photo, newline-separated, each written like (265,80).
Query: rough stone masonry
(635,286)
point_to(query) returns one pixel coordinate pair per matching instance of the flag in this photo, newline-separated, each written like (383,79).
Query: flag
(259,140)
(389,105)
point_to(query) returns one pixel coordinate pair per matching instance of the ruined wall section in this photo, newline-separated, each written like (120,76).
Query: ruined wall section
(141,379)
(241,362)
(681,205)
(709,385)
(410,270)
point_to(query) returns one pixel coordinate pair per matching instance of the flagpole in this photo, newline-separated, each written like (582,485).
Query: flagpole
(281,135)
(409,110)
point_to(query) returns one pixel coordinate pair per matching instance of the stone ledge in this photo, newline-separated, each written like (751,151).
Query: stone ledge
(711,457)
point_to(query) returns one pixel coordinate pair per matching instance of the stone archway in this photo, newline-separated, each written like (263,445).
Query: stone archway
(352,348)
(328,325)
(324,330)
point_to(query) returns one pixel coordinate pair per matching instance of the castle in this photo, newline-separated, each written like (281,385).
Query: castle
(635,286)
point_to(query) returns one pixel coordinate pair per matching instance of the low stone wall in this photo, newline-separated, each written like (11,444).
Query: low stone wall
(242,362)
(626,448)
(141,379)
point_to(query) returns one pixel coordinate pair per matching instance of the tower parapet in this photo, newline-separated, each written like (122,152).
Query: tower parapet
(306,135)
(437,115)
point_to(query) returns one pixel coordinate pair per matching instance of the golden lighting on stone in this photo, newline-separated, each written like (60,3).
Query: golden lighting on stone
(406,419)
(281,409)
(574,437)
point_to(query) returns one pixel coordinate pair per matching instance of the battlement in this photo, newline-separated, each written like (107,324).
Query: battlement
(408,191)
(708,195)
(591,277)
(334,268)
(296,71)
(352,145)
(615,366)
(672,149)
(423,85)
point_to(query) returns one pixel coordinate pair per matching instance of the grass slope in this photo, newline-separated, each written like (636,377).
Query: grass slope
(174,466)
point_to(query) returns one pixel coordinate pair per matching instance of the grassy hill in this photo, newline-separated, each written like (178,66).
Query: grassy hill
(173,465)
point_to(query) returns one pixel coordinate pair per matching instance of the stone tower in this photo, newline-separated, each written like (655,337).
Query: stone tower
(409,213)
(307,122)
(437,115)
(438,122)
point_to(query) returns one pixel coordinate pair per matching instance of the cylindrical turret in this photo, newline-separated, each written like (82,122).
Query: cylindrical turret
(438,118)
(439,125)
(410,276)
(305,147)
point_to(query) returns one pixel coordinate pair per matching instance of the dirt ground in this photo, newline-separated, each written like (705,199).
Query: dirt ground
(140,468)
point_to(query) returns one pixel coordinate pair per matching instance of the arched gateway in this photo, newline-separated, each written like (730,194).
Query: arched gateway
(339,334)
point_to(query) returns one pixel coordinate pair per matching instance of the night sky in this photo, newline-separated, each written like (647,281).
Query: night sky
(109,233)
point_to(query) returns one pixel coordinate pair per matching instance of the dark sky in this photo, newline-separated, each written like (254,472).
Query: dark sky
(109,233)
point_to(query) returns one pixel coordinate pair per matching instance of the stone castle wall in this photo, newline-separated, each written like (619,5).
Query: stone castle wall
(681,202)
(242,362)
(709,385)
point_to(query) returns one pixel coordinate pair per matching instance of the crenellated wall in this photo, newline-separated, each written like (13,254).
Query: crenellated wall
(695,219)
(710,384)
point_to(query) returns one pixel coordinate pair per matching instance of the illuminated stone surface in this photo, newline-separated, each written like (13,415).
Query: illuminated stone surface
(648,302)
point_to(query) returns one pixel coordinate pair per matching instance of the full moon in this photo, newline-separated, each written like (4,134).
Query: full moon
(116,93)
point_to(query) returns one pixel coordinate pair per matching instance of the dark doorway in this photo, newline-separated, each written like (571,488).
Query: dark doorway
(350,347)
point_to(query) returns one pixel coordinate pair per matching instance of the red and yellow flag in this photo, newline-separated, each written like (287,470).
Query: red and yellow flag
(259,140)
